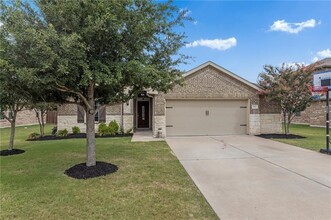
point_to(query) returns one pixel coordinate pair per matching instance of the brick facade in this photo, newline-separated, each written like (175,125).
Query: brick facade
(314,115)
(25,117)
(211,83)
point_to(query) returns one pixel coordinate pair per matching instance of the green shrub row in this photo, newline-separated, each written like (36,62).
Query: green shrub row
(103,129)
(62,133)
(111,129)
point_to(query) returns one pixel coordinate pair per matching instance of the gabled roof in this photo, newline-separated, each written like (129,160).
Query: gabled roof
(223,70)
(325,63)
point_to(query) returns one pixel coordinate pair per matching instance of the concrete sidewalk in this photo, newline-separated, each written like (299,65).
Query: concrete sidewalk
(144,136)
(246,177)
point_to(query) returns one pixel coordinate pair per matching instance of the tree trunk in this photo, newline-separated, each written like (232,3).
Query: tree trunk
(284,123)
(39,122)
(288,127)
(12,134)
(289,122)
(90,129)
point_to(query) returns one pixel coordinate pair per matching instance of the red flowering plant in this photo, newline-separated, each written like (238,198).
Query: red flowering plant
(289,85)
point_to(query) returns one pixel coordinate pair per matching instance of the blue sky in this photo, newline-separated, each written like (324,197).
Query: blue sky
(242,36)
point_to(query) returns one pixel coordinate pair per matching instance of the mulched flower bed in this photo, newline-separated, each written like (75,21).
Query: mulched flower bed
(11,152)
(70,136)
(81,171)
(280,136)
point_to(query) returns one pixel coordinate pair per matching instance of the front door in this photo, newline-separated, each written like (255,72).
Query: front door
(143,114)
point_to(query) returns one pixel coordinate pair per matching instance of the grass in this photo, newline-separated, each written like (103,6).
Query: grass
(315,137)
(150,182)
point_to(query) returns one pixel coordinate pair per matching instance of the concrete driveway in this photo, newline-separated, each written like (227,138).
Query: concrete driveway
(246,177)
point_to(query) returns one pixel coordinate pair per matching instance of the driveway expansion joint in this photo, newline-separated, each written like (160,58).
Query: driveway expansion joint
(277,165)
(226,158)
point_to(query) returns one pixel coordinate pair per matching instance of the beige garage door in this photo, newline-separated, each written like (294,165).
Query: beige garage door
(206,117)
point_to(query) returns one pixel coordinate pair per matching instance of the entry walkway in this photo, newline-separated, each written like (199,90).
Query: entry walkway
(246,177)
(144,136)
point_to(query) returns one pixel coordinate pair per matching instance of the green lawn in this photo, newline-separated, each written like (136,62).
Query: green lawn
(315,137)
(150,182)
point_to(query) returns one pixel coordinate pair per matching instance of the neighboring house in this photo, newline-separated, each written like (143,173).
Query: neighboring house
(212,101)
(24,117)
(315,115)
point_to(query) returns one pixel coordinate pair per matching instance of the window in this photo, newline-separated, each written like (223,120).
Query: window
(298,114)
(10,114)
(80,114)
(325,82)
(96,116)
(100,115)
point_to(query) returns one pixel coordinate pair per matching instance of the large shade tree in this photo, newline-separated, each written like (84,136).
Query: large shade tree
(288,85)
(102,51)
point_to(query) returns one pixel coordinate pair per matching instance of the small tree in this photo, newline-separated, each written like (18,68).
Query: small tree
(289,85)
(23,53)
(41,109)
(12,98)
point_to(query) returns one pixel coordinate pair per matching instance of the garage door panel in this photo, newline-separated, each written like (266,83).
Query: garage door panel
(197,117)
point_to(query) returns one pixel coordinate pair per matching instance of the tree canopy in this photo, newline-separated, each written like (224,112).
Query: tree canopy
(97,51)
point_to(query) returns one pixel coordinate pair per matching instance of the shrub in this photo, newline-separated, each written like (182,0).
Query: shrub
(62,133)
(33,136)
(113,127)
(129,131)
(103,129)
(75,130)
(54,130)
(121,130)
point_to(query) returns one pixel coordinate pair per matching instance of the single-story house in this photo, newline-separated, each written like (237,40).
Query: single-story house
(212,101)
(315,114)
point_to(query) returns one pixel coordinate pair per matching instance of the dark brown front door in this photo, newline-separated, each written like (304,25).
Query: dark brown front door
(143,114)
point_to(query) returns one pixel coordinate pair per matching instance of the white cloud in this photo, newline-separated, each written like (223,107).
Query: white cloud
(322,54)
(195,22)
(292,28)
(186,11)
(315,59)
(218,44)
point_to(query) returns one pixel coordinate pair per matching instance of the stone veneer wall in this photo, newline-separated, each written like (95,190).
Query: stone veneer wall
(67,116)
(69,121)
(254,124)
(270,123)
(314,115)
(159,126)
(25,117)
